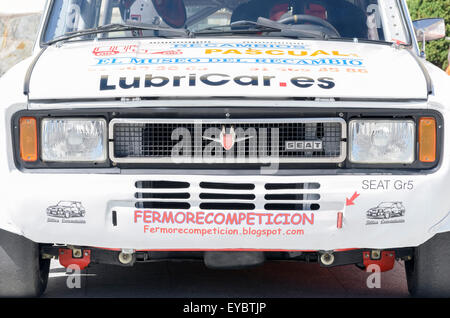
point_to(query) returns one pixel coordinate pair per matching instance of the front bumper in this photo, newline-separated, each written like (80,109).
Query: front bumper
(113,221)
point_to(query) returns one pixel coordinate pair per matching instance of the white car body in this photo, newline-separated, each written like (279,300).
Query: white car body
(354,76)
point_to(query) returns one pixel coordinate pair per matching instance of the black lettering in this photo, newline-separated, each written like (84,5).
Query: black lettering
(149,81)
(246,80)
(123,83)
(192,79)
(302,82)
(177,80)
(104,86)
(267,80)
(205,79)
(329,82)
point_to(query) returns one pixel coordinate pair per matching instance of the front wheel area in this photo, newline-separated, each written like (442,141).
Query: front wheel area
(428,272)
(22,271)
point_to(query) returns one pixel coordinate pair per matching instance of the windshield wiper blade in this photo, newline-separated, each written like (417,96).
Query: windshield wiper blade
(237,27)
(117,27)
(265,25)
(289,30)
(361,40)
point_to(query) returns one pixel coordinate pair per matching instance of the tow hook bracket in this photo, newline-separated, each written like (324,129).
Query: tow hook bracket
(68,258)
(384,260)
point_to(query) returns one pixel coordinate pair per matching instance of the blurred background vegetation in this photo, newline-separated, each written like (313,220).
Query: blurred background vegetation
(437,51)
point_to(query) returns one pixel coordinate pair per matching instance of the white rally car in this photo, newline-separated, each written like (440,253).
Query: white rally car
(229,131)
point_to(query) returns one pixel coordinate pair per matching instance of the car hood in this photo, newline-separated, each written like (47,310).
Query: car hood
(226,68)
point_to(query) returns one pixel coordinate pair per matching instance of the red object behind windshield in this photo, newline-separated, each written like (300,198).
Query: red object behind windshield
(278,10)
(316,10)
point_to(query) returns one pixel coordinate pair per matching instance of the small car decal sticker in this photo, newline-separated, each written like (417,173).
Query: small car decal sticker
(386,212)
(66,212)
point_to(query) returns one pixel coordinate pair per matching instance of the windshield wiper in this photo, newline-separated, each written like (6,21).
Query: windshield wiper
(238,26)
(263,25)
(362,40)
(117,27)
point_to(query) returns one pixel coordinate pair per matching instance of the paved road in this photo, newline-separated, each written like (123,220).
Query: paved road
(193,280)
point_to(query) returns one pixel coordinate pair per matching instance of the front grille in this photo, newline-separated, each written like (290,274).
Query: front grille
(208,196)
(233,141)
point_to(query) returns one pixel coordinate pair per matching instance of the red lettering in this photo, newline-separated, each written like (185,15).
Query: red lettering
(216,217)
(208,218)
(310,220)
(137,214)
(177,219)
(167,217)
(147,218)
(269,221)
(190,218)
(156,217)
(299,219)
(200,217)
(276,218)
(251,219)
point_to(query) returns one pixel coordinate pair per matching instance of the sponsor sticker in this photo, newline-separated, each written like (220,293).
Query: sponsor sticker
(386,213)
(224,223)
(108,82)
(66,212)
(107,51)
(316,62)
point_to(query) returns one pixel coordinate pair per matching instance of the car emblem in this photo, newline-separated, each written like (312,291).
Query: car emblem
(228,140)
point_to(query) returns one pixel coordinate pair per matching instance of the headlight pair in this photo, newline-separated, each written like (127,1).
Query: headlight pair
(371,142)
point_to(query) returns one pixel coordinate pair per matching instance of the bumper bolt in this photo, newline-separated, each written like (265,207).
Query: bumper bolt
(125,258)
(376,254)
(327,259)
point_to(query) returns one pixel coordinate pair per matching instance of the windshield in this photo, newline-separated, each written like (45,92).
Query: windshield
(386,205)
(378,20)
(65,203)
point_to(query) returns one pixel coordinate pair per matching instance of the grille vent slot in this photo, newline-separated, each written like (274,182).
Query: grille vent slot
(291,186)
(163,205)
(162,185)
(291,207)
(227,186)
(226,196)
(227,206)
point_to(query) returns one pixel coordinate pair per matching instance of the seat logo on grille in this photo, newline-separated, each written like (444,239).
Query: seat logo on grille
(228,140)
(304,145)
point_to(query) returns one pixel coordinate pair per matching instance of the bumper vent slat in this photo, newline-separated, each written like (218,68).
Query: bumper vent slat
(161,185)
(221,196)
(227,206)
(292,186)
(227,186)
(163,205)
(292,197)
(291,207)
(162,195)
(225,196)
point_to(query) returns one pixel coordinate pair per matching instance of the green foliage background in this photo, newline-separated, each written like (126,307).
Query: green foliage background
(437,51)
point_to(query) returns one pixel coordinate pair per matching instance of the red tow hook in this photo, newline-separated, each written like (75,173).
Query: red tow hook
(80,258)
(384,260)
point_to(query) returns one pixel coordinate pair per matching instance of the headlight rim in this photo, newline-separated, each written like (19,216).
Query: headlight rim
(382,120)
(104,157)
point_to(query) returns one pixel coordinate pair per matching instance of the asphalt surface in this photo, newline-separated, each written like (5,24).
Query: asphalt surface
(193,280)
